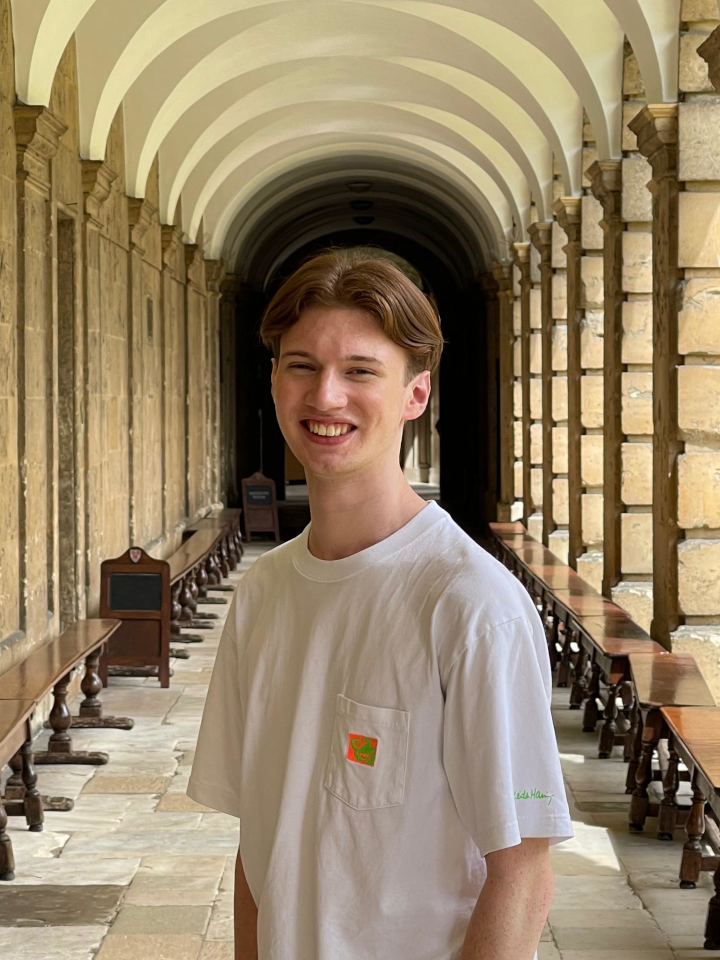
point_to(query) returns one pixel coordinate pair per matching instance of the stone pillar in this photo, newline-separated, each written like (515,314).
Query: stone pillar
(196,395)
(37,134)
(521,252)
(606,179)
(97,181)
(140,216)
(567,211)
(559,537)
(215,273)
(230,288)
(656,129)
(503,277)
(541,236)
(174,324)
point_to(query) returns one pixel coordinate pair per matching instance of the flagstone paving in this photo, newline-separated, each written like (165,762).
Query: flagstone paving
(137,869)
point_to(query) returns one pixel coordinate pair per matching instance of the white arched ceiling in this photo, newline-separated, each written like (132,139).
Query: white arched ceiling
(229,201)
(483,91)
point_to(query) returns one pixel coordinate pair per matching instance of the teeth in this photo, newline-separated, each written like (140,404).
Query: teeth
(328,429)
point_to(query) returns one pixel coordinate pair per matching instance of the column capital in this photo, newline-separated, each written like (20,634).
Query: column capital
(568,213)
(502,272)
(521,255)
(230,287)
(541,238)
(214,275)
(140,216)
(195,266)
(97,181)
(709,50)
(656,128)
(37,138)
(172,255)
(605,179)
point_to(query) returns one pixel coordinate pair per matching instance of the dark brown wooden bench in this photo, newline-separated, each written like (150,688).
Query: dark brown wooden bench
(693,735)
(659,681)
(16,739)
(155,599)
(21,689)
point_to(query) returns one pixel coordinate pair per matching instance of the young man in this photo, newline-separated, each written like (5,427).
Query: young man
(379,713)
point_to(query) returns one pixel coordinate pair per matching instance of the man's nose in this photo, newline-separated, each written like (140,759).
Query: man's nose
(326,392)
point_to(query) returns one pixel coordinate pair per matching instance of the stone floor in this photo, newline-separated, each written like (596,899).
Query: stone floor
(138,870)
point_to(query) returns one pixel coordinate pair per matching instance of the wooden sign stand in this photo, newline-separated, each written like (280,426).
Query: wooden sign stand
(260,506)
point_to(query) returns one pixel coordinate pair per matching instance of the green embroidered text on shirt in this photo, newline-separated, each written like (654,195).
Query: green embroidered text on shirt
(534,795)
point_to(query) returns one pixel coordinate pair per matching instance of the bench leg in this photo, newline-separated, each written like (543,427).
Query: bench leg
(14,789)
(668,813)
(591,713)
(91,710)
(565,661)
(7,860)
(640,799)
(712,927)
(33,801)
(691,863)
(60,744)
(635,751)
(580,684)
(609,727)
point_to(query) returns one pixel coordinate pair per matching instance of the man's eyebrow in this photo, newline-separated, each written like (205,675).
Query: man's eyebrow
(355,358)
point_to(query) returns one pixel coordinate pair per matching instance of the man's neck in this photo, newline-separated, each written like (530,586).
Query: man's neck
(351,515)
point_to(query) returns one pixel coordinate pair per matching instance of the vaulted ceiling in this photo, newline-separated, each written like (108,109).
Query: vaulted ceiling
(455,108)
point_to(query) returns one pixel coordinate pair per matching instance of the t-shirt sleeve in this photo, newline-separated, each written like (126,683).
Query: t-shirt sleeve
(499,748)
(215,776)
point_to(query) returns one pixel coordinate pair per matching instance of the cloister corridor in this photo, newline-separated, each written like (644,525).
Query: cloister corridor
(547,174)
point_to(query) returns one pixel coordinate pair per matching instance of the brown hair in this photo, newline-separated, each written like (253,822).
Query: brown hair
(341,278)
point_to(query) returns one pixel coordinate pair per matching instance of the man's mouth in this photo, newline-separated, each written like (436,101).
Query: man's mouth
(324,432)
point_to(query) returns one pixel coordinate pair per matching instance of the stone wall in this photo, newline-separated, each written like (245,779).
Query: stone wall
(109,366)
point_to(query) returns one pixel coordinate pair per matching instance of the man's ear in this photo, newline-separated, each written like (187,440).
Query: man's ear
(419,388)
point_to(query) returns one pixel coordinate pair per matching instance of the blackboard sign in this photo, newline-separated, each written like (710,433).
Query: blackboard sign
(258,496)
(135,591)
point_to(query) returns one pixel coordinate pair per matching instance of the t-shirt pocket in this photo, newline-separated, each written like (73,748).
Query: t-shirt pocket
(368,755)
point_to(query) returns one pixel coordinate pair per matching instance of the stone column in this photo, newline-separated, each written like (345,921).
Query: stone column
(140,216)
(606,179)
(503,277)
(230,288)
(174,345)
(558,539)
(567,211)
(196,363)
(37,134)
(541,235)
(97,181)
(215,273)
(521,252)
(656,130)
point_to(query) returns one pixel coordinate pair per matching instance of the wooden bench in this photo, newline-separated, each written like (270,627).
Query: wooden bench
(21,689)
(16,738)
(660,680)
(154,599)
(694,737)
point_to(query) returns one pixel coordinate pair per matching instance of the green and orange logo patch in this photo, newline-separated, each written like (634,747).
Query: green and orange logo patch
(361,749)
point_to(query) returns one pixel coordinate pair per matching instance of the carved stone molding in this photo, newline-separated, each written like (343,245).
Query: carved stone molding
(214,275)
(488,286)
(97,181)
(37,138)
(521,253)
(656,128)
(141,214)
(195,266)
(605,179)
(709,50)
(173,256)
(568,213)
(541,238)
(502,272)
(230,287)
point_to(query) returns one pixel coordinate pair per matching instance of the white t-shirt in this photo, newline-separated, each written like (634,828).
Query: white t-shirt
(379,724)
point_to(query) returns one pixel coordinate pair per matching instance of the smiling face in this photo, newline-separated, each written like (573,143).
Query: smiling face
(341,392)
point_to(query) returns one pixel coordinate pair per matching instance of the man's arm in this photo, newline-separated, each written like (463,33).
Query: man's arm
(508,918)
(245,917)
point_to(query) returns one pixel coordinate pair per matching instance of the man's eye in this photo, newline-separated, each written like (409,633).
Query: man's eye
(300,366)
(360,370)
